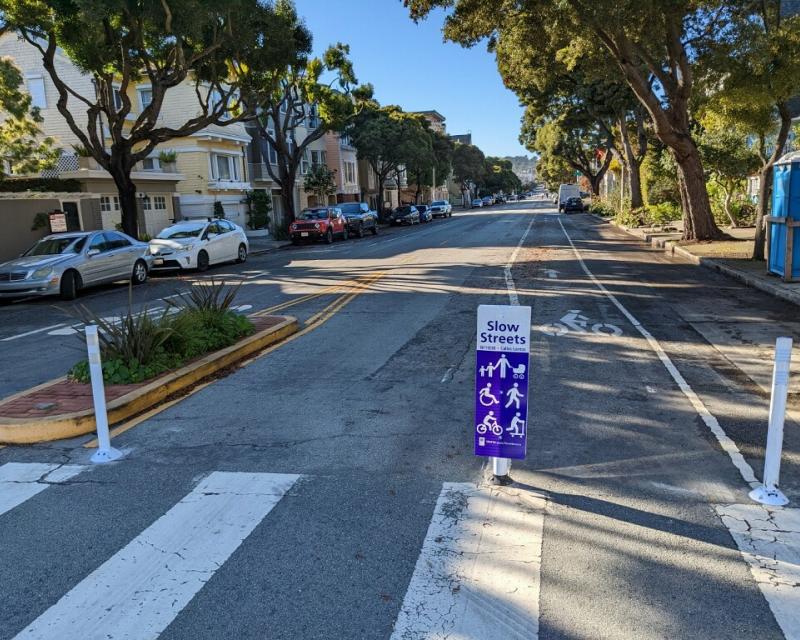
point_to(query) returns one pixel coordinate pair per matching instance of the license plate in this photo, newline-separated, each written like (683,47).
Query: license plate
(158,261)
(304,234)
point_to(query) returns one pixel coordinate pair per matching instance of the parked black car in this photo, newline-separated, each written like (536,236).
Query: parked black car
(407,214)
(574,204)
(360,218)
(425,214)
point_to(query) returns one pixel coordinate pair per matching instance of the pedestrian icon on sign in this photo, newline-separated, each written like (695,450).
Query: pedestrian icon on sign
(514,396)
(503,365)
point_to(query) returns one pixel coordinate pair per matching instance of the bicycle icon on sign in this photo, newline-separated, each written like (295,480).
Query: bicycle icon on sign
(574,322)
(489,424)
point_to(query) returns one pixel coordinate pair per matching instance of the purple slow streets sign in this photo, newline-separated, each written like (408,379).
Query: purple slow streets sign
(501,381)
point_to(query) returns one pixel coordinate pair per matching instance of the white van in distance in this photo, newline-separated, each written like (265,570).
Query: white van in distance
(565,192)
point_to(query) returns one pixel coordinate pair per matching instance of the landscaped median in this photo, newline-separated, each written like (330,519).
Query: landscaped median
(63,408)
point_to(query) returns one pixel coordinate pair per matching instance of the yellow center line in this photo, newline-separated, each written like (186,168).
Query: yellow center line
(315,321)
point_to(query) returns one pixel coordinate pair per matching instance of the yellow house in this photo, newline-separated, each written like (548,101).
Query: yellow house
(209,166)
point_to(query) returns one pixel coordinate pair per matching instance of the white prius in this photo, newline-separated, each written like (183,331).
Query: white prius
(196,244)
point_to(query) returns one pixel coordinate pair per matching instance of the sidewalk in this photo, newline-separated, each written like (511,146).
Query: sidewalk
(265,245)
(730,257)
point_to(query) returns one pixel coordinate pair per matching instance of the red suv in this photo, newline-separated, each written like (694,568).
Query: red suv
(319,223)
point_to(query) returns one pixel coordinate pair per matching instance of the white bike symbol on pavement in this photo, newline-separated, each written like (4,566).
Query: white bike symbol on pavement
(576,323)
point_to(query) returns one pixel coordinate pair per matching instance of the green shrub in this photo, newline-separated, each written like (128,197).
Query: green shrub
(602,208)
(144,345)
(662,213)
(214,296)
(13,185)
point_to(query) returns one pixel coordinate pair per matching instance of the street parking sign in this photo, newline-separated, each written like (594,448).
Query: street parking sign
(501,381)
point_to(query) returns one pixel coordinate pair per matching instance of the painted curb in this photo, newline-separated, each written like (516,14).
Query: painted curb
(672,249)
(60,427)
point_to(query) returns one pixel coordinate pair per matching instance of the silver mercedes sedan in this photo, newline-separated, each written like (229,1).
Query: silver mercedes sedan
(65,263)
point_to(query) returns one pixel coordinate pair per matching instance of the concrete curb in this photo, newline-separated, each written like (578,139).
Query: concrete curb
(259,252)
(671,248)
(60,427)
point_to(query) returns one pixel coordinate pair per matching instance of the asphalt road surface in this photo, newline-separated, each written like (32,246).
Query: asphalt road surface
(328,489)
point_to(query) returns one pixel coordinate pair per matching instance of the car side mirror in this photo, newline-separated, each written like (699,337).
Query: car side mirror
(92,252)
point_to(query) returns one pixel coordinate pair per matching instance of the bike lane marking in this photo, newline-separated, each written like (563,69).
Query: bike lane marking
(477,575)
(768,538)
(141,589)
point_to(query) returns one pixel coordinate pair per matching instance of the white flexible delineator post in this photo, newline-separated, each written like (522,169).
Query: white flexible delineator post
(105,452)
(769,493)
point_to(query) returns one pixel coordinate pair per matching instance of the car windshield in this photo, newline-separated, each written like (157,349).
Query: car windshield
(403,210)
(183,231)
(437,203)
(56,246)
(314,214)
(350,208)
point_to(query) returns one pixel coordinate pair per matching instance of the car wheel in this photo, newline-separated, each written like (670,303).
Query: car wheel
(345,234)
(242,255)
(360,232)
(329,236)
(70,283)
(202,261)
(375,229)
(139,275)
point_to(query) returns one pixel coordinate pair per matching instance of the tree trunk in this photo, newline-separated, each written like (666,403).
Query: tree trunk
(633,170)
(764,195)
(287,198)
(726,205)
(765,182)
(127,200)
(698,220)
(381,213)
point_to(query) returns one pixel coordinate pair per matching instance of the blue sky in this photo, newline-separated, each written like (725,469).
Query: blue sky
(411,66)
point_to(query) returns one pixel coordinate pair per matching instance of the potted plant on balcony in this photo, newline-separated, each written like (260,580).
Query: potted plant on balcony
(259,206)
(167,160)
(85,159)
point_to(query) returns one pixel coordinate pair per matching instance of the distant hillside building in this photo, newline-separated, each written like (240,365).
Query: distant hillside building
(462,138)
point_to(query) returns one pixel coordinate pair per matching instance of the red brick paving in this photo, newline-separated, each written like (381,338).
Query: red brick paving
(70,397)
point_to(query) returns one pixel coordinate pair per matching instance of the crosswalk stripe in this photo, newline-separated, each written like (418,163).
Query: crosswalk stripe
(141,589)
(769,541)
(478,575)
(20,481)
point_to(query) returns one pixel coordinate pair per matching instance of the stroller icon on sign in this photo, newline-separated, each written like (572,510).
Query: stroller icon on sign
(519,372)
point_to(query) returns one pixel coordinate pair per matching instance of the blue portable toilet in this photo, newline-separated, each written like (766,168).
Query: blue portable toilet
(783,226)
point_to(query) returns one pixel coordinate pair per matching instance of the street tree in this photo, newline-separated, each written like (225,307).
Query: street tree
(750,78)
(320,181)
(430,163)
(580,140)
(469,166)
(298,103)
(162,44)
(500,177)
(727,158)
(386,137)
(652,43)
(23,148)
(553,170)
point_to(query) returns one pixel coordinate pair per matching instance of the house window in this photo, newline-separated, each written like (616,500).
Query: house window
(147,205)
(35,85)
(304,165)
(117,98)
(109,203)
(273,154)
(318,158)
(160,203)
(224,167)
(349,173)
(345,141)
(151,164)
(145,97)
